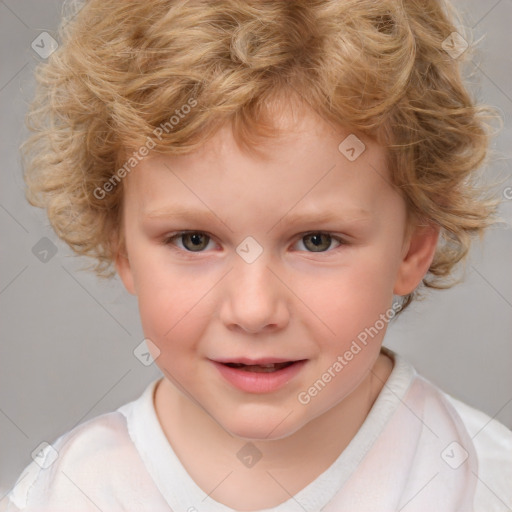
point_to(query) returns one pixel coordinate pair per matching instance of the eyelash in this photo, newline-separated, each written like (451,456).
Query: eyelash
(168,241)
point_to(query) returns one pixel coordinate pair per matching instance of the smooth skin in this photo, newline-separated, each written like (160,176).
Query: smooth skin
(200,301)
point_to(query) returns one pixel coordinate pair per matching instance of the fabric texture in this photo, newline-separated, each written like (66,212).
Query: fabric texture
(418,450)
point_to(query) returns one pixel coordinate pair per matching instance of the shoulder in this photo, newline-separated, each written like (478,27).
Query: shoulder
(485,431)
(493,445)
(458,440)
(477,436)
(77,459)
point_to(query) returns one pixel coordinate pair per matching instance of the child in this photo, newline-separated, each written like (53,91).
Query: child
(274,181)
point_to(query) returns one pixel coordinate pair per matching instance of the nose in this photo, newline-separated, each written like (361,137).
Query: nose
(255,299)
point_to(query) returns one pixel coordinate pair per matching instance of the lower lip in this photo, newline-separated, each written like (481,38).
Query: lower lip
(259,382)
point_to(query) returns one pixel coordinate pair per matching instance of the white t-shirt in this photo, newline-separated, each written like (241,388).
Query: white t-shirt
(418,450)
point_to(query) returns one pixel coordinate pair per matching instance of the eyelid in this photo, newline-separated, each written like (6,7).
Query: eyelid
(176,234)
(322,232)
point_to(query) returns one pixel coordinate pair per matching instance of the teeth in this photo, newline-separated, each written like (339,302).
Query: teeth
(261,368)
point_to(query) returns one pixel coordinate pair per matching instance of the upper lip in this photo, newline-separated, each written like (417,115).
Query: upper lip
(261,360)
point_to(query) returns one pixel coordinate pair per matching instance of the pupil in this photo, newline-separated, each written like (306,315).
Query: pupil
(317,242)
(197,241)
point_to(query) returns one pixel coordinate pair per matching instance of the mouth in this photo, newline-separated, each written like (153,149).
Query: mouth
(259,376)
(261,368)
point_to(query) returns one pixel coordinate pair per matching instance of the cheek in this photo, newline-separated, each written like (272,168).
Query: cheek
(174,307)
(346,301)
(172,324)
(350,306)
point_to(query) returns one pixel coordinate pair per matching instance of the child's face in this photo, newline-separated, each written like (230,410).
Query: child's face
(302,299)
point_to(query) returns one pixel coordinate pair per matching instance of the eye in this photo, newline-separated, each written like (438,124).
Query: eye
(198,241)
(192,241)
(319,241)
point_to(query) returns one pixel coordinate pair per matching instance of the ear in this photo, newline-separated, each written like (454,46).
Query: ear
(418,255)
(124,270)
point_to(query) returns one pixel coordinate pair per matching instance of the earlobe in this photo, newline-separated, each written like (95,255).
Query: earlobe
(123,267)
(417,259)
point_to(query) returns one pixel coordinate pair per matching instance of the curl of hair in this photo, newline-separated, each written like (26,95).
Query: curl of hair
(124,67)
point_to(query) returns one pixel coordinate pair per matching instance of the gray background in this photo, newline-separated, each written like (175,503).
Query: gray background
(68,337)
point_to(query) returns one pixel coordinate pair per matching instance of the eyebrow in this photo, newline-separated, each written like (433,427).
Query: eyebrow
(178,212)
(310,216)
(316,215)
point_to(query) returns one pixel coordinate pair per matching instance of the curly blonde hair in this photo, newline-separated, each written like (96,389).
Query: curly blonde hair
(126,71)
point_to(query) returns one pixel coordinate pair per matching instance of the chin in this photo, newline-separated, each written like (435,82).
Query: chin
(262,426)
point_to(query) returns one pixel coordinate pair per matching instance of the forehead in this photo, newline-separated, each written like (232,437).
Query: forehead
(311,166)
